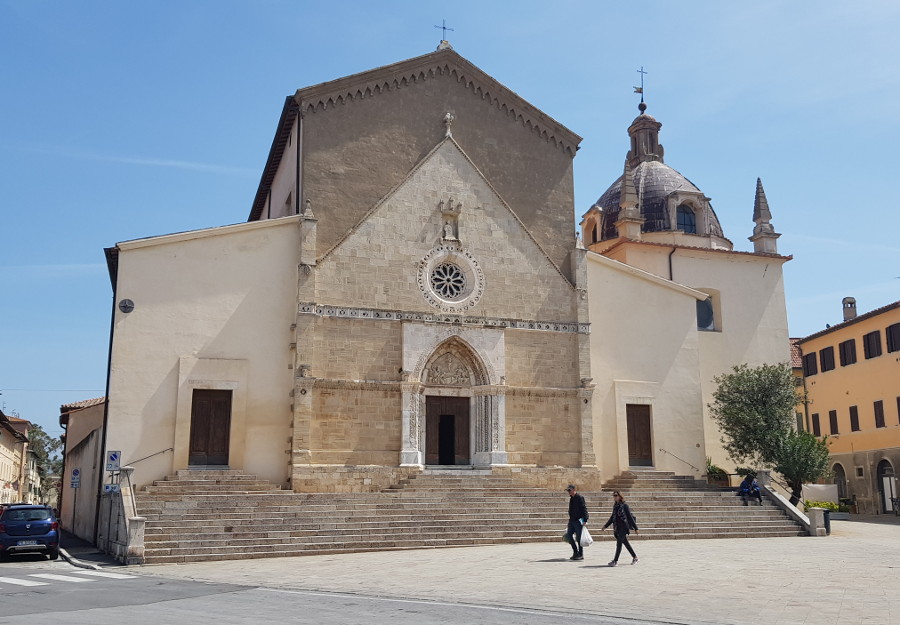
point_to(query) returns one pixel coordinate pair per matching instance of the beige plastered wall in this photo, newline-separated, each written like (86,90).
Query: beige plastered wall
(645,350)
(748,300)
(213,309)
(83,439)
(751,321)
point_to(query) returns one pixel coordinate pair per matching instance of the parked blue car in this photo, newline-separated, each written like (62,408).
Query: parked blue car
(28,528)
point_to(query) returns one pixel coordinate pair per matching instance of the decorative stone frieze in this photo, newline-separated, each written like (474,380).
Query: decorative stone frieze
(309,308)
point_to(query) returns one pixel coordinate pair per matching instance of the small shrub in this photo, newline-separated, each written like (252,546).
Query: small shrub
(828,505)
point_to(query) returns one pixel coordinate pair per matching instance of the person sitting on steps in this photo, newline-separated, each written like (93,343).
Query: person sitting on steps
(749,489)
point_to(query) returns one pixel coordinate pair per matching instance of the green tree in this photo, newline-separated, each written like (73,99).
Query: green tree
(802,458)
(754,409)
(47,449)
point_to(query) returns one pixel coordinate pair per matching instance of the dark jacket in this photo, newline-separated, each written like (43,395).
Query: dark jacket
(577,508)
(621,519)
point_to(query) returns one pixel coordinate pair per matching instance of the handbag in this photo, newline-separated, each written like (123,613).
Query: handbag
(586,540)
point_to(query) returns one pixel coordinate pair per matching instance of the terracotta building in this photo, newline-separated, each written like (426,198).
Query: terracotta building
(852,376)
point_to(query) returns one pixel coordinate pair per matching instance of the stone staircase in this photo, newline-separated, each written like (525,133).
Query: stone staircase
(226,515)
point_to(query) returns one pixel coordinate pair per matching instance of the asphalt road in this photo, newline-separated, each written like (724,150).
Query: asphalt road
(35,591)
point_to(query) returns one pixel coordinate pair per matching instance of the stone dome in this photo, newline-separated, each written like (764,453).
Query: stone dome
(654,183)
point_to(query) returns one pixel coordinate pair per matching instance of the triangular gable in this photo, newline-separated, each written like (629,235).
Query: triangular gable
(412,174)
(384,261)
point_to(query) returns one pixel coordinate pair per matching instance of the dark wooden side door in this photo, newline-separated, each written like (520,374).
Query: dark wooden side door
(640,450)
(210,427)
(447,430)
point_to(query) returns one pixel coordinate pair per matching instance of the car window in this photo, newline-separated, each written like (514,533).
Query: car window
(33,514)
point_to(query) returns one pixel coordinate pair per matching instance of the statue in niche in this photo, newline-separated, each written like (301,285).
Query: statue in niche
(450,214)
(448,232)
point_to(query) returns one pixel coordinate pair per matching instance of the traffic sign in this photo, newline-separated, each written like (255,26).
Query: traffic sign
(76,478)
(110,488)
(113,458)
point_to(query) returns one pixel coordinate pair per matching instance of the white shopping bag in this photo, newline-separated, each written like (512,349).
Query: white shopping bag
(586,540)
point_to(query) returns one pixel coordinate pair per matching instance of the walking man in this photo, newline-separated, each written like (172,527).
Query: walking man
(578,517)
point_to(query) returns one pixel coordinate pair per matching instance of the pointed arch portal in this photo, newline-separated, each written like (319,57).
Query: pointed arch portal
(454,412)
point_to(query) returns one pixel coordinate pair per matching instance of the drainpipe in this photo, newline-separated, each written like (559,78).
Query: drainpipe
(100,463)
(671,254)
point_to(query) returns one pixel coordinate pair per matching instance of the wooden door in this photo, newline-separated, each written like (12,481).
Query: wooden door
(640,449)
(210,427)
(447,431)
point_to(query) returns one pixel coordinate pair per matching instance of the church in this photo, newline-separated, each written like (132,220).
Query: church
(410,293)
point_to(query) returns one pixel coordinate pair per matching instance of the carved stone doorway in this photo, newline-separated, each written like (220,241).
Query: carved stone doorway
(447,440)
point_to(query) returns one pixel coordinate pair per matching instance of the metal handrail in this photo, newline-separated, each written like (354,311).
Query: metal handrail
(150,456)
(681,459)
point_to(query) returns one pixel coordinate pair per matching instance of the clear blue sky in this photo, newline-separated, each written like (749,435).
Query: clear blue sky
(120,120)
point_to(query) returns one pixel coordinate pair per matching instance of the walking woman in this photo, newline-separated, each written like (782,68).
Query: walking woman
(623,522)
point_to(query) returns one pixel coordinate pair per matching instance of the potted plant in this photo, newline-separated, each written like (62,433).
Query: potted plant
(715,475)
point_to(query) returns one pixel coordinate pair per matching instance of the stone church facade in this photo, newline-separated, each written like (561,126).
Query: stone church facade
(438,313)
(408,293)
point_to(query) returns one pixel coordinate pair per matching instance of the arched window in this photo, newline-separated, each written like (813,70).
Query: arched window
(687,222)
(595,233)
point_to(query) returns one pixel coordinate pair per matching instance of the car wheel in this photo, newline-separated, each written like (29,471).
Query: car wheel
(53,554)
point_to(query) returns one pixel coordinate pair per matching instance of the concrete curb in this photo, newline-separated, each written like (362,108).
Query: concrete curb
(76,562)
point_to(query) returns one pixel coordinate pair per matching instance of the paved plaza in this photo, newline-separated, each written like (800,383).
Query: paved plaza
(849,578)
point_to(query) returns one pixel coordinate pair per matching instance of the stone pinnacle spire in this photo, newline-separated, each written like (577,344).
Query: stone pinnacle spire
(761,212)
(764,235)
(630,219)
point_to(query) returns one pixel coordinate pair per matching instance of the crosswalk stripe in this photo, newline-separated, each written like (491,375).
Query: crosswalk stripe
(60,578)
(105,574)
(21,582)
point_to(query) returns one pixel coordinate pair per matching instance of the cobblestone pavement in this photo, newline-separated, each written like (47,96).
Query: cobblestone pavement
(851,577)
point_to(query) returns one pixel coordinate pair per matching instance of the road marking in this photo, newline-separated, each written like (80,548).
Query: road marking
(105,574)
(60,578)
(21,582)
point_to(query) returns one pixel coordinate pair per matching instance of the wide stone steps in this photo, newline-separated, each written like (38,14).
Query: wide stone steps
(207,515)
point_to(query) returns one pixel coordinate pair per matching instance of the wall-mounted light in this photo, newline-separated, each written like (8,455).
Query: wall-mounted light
(126,305)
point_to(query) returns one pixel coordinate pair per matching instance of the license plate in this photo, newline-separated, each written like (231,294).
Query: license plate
(25,543)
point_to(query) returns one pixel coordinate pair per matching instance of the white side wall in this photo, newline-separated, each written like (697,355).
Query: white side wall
(213,309)
(644,350)
(751,323)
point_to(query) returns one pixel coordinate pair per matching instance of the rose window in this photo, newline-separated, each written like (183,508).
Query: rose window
(448,281)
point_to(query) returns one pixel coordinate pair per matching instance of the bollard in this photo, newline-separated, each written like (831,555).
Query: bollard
(816,521)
